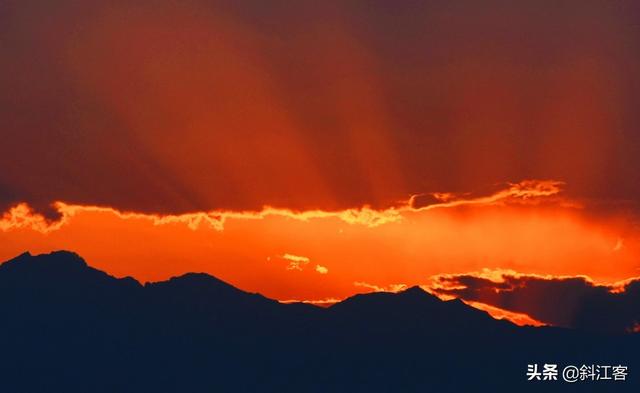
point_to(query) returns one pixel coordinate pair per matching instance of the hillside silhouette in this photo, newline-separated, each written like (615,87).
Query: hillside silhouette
(67,327)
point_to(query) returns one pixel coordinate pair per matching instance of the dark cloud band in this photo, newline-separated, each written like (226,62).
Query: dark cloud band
(193,106)
(574,302)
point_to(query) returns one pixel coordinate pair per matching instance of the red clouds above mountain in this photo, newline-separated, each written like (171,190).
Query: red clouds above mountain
(575,302)
(193,106)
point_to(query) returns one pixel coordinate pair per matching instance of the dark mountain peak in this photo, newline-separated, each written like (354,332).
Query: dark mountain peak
(68,258)
(414,298)
(62,269)
(199,279)
(456,301)
(195,281)
(21,259)
(23,256)
(414,289)
(57,259)
(416,292)
(414,308)
(204,288)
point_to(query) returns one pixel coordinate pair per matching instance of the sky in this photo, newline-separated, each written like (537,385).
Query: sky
(313,150)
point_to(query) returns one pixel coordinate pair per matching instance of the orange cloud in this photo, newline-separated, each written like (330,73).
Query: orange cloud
(321,269)
(569,301)
(526,227)
(375,288)
(527,191)
(520,319)
(295,261)
(22,216)
(317,302)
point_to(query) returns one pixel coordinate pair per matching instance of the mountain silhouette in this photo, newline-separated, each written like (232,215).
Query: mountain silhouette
(67,327)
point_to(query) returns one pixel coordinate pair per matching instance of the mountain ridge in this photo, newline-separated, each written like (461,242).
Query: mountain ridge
(195,333)
(64,261)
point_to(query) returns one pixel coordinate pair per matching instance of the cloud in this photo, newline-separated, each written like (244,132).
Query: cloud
(376,288)
(23,215)
(567,301)
(316,302)
(296,262)
(520,319)
(529,191)
(321,269)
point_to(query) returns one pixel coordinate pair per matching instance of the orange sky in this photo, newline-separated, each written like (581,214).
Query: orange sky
(527,227)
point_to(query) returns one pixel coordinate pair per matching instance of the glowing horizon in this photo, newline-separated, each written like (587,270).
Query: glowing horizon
(318,256)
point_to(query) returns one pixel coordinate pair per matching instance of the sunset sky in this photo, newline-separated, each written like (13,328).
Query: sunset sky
(312,150)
